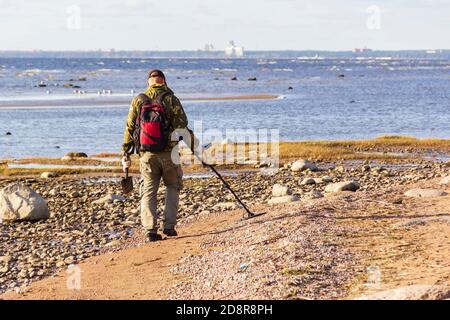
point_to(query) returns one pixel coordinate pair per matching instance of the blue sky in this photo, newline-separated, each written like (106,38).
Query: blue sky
(254,24)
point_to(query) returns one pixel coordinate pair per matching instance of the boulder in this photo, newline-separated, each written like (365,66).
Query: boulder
(445,180)
(76,155)
(412,292)
(279,190)
(283,199)
(301,165)
(19,202)
(425,193)
(48,175)
(109,198)
(342,186)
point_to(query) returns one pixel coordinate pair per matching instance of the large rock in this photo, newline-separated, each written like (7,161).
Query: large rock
(425,193)
(446,180)
(301,165)
(279,190)
(283,199)
(19,202)
(342,186)
(412,292)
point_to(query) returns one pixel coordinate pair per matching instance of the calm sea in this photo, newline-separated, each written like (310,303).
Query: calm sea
(341,97)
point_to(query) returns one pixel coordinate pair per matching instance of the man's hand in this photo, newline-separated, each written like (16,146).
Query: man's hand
(126,161)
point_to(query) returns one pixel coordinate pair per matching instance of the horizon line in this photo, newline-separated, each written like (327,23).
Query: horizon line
(112,50)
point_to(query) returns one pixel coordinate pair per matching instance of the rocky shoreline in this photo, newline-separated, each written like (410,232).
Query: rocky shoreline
(89,216)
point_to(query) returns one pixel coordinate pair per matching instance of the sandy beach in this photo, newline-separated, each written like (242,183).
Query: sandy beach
(315,242)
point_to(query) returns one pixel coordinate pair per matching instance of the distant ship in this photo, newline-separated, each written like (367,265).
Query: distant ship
(233,51)
(365,49)
(433,51)
(209,47)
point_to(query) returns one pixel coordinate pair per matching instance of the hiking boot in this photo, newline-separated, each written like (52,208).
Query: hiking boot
(152,236)
(170,232)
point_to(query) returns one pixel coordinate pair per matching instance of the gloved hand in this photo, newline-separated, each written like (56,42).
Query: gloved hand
(126,161)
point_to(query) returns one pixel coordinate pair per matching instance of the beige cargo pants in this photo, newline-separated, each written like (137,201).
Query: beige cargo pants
(155,166)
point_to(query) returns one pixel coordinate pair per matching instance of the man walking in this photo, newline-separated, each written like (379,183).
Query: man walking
(152,118)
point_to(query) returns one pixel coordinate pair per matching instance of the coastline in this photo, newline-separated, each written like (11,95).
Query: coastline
(119,101)
(390,149)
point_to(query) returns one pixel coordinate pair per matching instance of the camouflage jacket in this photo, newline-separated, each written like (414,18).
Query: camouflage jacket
(174,110)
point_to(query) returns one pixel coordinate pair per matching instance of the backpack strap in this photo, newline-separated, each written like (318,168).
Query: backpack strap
(143,97)
(159,99)
(161,96)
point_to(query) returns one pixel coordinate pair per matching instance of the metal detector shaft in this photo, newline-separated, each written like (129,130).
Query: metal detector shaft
(226,185)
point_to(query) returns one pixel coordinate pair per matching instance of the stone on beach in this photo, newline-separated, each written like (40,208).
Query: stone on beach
(282,194)
(283,199)
(109,198)
(48,175)
(445,180)
(19,202)
(324,179)
(307,181)
(342,186)
(314,194)
(425,193)
(302,164)
(279,190)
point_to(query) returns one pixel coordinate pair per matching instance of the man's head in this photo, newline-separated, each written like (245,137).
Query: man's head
(156,77)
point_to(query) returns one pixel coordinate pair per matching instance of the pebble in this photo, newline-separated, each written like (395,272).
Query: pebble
(306,181)
(342,186)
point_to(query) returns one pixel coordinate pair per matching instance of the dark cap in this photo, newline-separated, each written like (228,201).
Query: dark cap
(158,72)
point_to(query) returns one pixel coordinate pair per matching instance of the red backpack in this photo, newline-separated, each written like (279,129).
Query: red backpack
(152,127)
